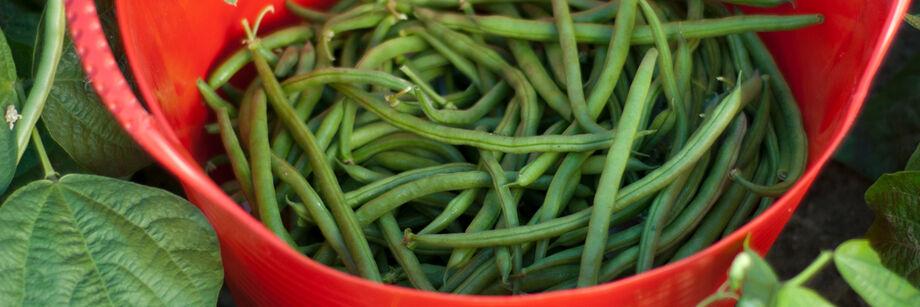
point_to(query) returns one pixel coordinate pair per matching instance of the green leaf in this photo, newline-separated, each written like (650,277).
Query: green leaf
(795,296)
(93,241)
(755,278)
(77,120)
(861,267)
(888,128)
(913,163)
(895,233)
(8,98)
(912,20)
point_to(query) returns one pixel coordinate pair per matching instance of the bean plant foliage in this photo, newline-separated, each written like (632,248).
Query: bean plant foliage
(883,268)
(69,234)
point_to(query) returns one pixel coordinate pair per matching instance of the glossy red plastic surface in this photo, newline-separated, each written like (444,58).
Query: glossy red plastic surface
(171,43)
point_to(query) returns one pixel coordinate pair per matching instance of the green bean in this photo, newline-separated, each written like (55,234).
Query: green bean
(474,138)
(693,185)
(401,161)
(238,162)
(597,67)
(286,61)
(595,164)
(403,255)
(52,48)
(360,173)
(382,29)
(348,75)
(460,63)
(314,205)
(508,206)
(325,255)
(213,100)
(529,63)
(669,81)
(306,12)
(614,167)
(390,49)
(564,25)
(479,279)
(454,209)
(752,144)
(465,117)
(402,140)
(349,22)
(307,99)
(530,112)
(598,13)
(539,280)
(484,219)
(229,67)
(427,60)
(350,109)
(330,188)
(748,204)
(569,171)
(788,122)
(262,181)
(545,31)
(615,241)
(423,86)
(658,213)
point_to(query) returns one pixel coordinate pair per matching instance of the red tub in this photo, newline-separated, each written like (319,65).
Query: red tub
(171,43)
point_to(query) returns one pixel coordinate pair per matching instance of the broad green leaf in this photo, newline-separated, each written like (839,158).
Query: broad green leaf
(861,267)
(913,163)
(888,128)
(895,233)
(8,98)
(96,241)
(795,296)
(77,120)
(29,169)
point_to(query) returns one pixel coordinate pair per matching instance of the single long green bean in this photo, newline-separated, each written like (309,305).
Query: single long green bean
(53,47)
(483,140)
(262,181)
(403,255)
(545,31)
(563,21)
(611,177)
(238,162)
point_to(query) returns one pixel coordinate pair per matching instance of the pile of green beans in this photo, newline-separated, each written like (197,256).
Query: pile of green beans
(508,147)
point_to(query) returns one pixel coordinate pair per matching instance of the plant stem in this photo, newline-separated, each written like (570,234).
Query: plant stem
(50,174)
(51,54)
(812,269)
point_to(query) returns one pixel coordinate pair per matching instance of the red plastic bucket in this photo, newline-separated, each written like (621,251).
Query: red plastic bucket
(171,43)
